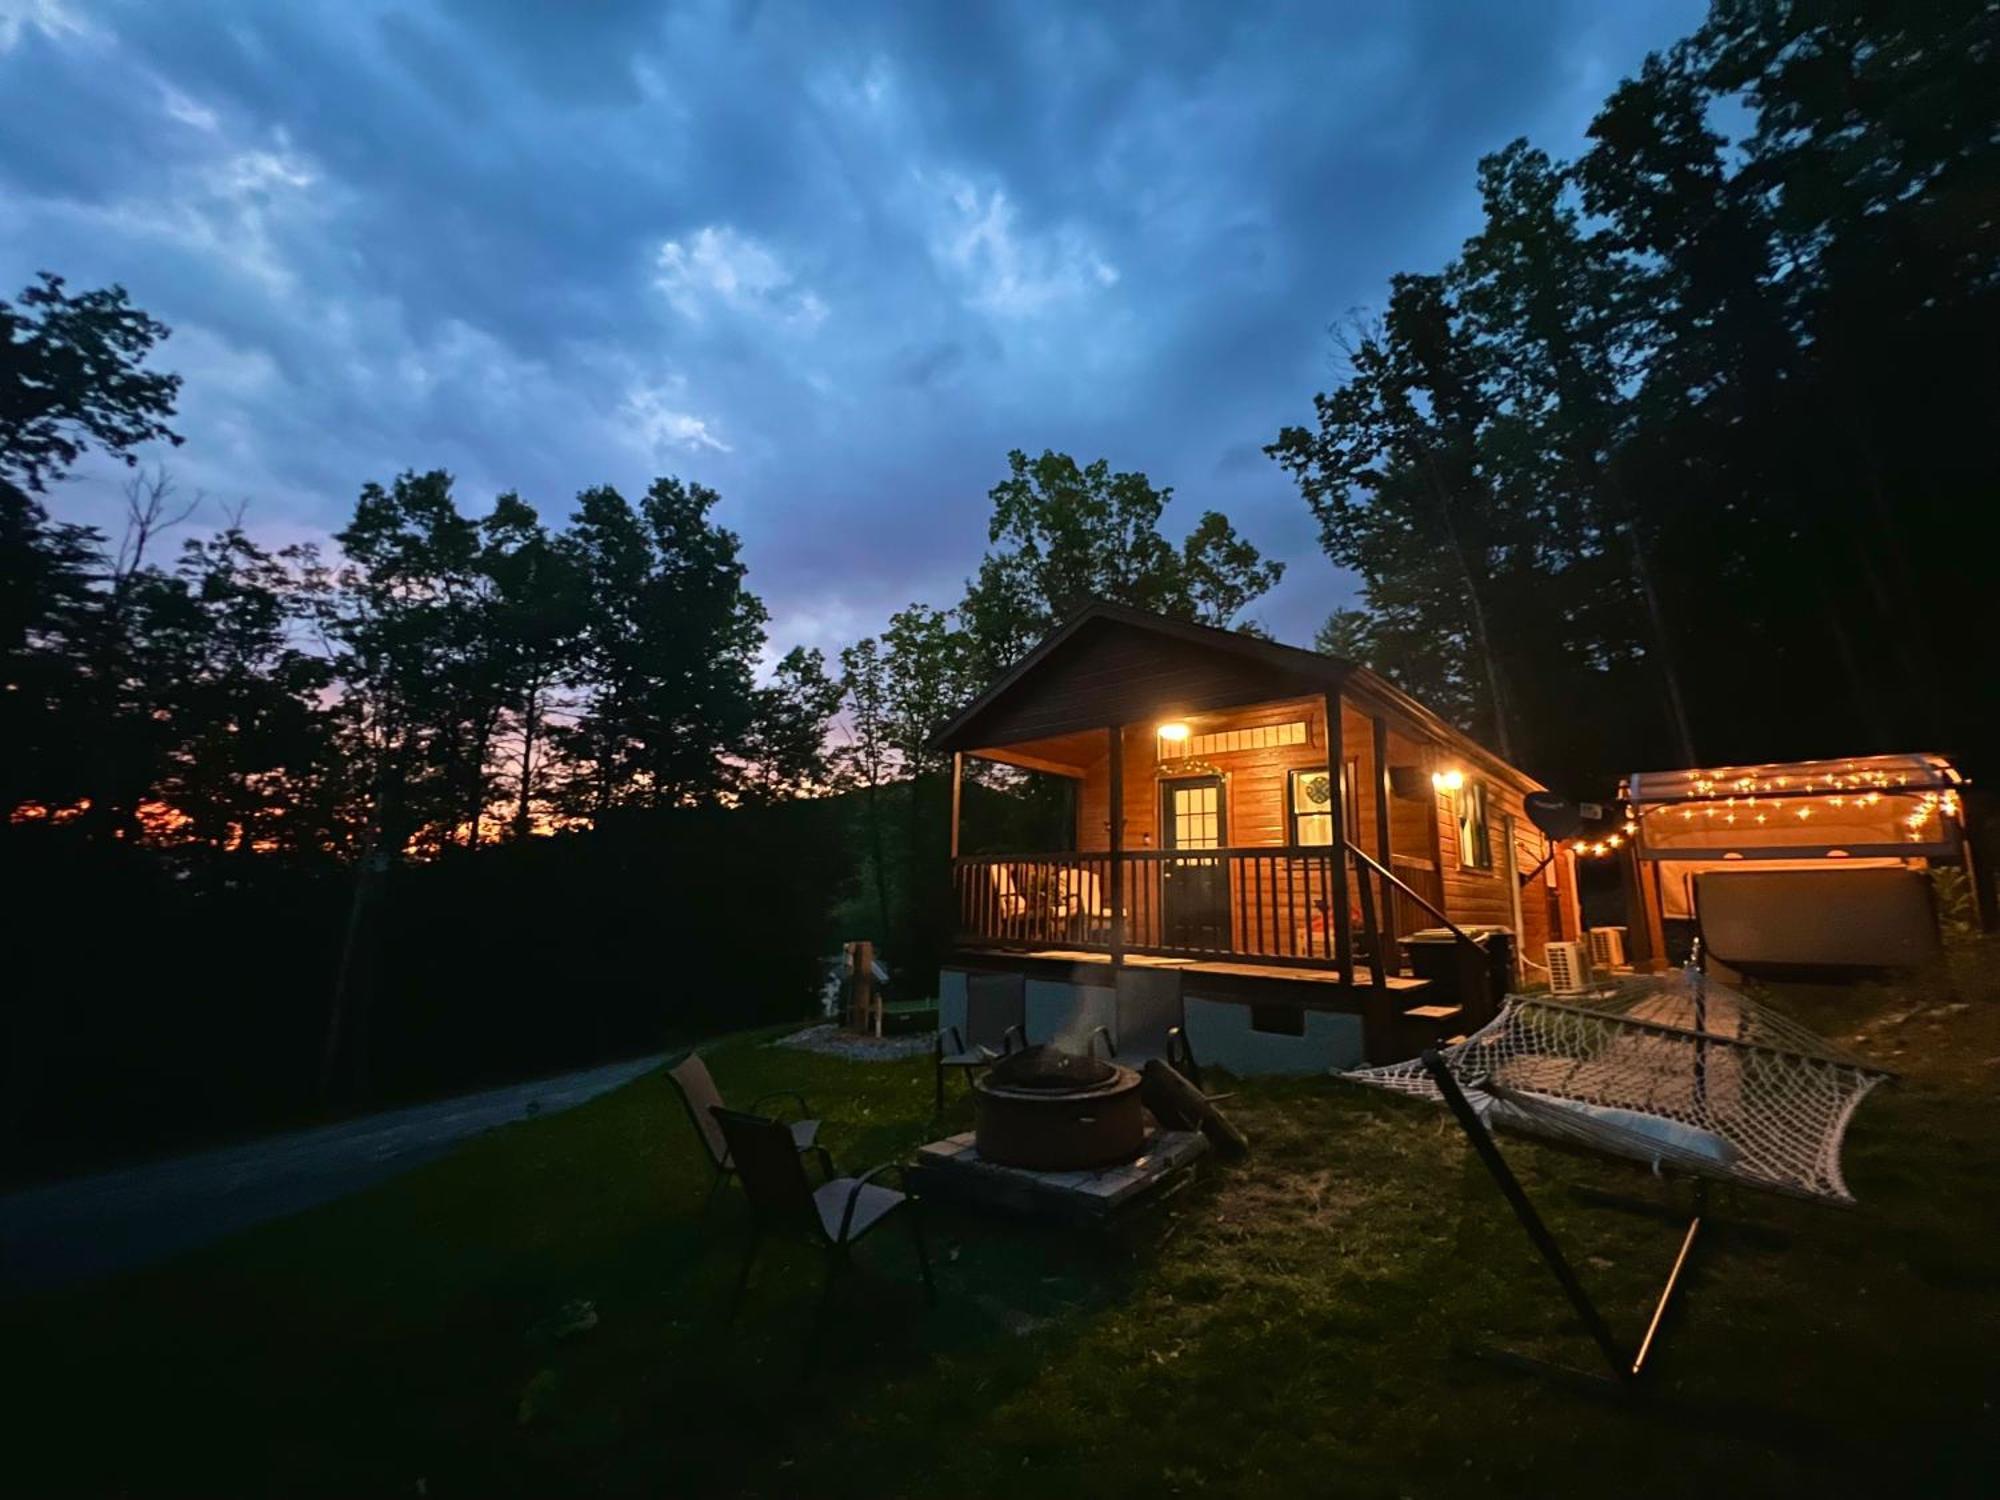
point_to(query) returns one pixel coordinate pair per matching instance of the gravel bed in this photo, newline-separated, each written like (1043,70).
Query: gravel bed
(833,1040)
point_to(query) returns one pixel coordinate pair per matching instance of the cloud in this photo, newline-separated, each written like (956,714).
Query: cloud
(183,109)
(833,260)
(50,19)
(664,430)
(1008,273)
(719,267)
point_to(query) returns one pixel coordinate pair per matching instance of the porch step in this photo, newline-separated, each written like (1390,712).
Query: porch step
(1437,1014)
(1421,1026)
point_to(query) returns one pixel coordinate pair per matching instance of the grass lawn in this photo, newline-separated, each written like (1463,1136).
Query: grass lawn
(1290,1325)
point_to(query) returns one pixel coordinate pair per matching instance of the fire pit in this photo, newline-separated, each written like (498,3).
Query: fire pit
(1053,1111)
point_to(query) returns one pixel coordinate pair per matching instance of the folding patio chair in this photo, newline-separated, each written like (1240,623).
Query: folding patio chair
(833,1215)
(996,1018)
(691,1080)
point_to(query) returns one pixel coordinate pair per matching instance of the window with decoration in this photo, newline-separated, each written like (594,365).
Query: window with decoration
(1475,841)
(1309,805)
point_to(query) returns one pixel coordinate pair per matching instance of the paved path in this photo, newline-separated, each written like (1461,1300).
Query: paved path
(88,1226)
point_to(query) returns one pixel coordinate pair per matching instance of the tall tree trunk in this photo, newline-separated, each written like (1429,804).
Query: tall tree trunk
(354,983)
(1481,634)
(880,855)
(1663,652)
(1663,656)
(531,716)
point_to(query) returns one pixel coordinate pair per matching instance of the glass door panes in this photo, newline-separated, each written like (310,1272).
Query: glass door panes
(1195,815)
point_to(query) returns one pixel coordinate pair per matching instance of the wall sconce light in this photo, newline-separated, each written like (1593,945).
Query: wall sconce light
(1173,732)
(1448,781)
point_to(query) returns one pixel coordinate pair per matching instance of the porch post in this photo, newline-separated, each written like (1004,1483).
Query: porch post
(1114,739)
(1336,767)
(1512,865)
(1382,795)
(957,781)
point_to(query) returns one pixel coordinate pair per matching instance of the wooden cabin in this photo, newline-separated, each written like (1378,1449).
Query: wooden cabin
(1258,831)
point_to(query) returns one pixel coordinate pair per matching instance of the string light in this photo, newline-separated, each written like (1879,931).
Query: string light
(1717,793)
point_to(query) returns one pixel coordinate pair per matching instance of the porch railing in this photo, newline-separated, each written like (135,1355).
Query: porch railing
(1264,904)
(1208,903)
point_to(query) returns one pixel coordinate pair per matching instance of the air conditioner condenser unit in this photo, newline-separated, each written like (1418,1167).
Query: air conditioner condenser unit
(1569,969)
(1607,948)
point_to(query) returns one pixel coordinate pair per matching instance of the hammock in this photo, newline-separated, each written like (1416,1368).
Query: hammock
(1689,1075)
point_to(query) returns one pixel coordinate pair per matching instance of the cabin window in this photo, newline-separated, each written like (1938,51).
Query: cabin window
(1311,807)
(1234,741)
(1475,841)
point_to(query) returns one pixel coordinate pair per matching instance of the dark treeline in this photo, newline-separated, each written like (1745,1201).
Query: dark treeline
(466,796)
(1682,459)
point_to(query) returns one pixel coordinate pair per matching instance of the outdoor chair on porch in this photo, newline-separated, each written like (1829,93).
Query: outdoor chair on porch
(1008,902)
(691,1080)
(1086,908)
(996,1019)
(834,1215)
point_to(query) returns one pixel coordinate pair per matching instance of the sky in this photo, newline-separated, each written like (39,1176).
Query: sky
(832,259)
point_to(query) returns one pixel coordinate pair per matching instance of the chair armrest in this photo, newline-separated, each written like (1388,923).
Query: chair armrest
(826,1165)
(1019,1033)
(957,1041)
(854,1193)
(791,1094)
(1110,1047)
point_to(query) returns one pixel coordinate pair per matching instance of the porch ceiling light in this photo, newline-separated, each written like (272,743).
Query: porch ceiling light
(1174,731)
(1448,781)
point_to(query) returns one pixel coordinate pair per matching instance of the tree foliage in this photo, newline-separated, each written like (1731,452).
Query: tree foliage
(1658,469)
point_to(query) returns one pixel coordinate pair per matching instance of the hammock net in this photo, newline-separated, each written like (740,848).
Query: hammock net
(1684,1074)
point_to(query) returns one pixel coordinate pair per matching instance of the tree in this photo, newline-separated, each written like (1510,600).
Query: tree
(785,753)
(533,610)
(70,376)
(1393,474)
(251,764)
(401,613)
(1064,536)
(1696,411)
(668,648)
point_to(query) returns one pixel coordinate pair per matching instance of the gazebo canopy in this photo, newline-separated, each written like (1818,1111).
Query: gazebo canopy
(1864,773)
(1866,807)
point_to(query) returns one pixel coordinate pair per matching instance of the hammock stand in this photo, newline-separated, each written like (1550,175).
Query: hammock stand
(1768,1113)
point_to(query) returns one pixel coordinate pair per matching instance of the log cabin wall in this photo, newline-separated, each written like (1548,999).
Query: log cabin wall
(1286,912)
(1480,896)
(1254,781)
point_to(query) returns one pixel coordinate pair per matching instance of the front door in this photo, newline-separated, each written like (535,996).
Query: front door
(1194,892)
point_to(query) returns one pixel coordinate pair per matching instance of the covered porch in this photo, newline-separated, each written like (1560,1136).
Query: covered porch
(1238,806)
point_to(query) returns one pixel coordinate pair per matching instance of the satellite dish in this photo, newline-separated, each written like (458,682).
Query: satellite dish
(1558,817)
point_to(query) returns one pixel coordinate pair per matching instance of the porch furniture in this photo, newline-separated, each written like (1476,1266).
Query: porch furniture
(834,1215)
(1149,1010)
(1088,911)
(700,1097)
(996,1019)
(1009,904)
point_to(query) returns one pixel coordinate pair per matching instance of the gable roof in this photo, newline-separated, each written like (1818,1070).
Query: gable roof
(1258,669)
(1309,668)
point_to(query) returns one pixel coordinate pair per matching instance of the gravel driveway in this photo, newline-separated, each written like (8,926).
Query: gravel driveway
(112,1221)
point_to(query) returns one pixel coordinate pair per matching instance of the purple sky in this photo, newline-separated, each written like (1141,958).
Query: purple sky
(832,259)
